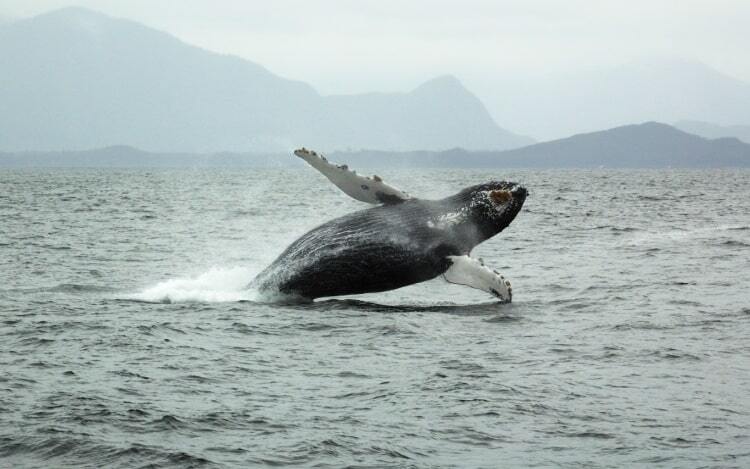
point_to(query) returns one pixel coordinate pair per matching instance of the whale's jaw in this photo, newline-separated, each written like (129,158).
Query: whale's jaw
(489,207)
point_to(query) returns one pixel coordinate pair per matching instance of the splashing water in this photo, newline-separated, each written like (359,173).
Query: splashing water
(214,286)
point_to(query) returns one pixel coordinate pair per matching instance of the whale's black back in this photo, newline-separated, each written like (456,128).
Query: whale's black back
(371,250)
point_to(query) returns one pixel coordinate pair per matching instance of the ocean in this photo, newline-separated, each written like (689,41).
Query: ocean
(128,338)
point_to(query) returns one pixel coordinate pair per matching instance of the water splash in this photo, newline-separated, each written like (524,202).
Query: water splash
(216,285)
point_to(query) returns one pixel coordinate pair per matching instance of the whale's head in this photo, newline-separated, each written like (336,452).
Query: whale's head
(490,207)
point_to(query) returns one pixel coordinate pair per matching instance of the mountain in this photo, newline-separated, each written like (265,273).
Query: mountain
(648,145)
(708,130)
(78,79)
(436,115)
(665,90)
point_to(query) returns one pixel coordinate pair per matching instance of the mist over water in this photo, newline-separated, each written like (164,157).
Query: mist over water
(128,338)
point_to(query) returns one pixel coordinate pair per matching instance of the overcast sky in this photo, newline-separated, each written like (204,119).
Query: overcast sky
(351,46)
(394,45)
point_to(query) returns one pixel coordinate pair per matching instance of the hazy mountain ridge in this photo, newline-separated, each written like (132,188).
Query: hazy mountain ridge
(651,144)
(709,130)
(648,145)
(74,78)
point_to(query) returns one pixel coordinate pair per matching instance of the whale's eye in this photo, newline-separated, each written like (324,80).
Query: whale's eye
(500,197)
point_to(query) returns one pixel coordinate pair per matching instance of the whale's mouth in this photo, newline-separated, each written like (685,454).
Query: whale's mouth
(519,194)
(518,197)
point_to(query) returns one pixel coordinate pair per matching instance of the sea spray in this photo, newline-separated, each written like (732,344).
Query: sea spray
(216,285)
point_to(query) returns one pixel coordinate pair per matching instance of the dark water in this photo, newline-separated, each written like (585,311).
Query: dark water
(127,339)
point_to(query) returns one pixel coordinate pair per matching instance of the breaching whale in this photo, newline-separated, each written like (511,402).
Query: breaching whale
(402,241)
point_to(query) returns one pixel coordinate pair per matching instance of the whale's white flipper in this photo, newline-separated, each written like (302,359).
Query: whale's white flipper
(465,270)
(366,189)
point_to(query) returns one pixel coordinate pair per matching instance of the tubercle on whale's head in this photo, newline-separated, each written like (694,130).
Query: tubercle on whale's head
(491,206)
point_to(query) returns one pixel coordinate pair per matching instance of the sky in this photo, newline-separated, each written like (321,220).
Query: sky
(344,47)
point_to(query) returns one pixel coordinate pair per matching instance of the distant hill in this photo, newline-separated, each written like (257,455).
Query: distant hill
(649,145)
(75,79)
(708,130)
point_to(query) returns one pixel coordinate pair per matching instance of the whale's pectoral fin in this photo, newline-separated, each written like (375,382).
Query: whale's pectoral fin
(366,189)
(465,270)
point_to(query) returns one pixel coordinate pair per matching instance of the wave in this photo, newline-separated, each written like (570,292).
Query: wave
(60,448)
(669,236)
(78,288)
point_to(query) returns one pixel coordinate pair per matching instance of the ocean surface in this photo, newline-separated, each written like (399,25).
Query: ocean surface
(128,339)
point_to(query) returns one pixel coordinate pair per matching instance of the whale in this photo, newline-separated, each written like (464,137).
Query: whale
(400,241)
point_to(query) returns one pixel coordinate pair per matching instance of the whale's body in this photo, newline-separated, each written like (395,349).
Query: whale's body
(384,247)
(370,250)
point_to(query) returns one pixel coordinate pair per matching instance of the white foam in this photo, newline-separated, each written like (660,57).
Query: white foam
(215,285)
